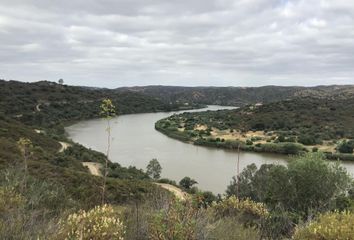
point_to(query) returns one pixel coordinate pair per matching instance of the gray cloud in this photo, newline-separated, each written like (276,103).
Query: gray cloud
(202,42)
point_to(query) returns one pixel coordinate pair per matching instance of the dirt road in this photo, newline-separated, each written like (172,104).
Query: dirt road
(94,168)
(175,190)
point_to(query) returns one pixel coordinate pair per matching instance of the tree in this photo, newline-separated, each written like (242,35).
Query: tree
(153,169)
(61,81)
(107,112)
(309,184)
(315,183)
(25,146)
(187,183)
(346,146)
(244,181)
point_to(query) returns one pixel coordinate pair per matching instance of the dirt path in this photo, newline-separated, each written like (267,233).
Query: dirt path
(37,107)
(94,168)
(38,131)
(175,190)
(64,146)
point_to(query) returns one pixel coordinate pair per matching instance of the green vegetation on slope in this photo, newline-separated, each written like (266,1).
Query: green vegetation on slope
(66,168)
(309,188)
(238,96)
(44,203)
(290,127)
(47,104)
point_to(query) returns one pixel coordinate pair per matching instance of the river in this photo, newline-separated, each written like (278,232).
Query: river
(135,142)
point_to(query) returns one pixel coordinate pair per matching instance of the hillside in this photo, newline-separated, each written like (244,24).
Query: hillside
(289,126)
(58,197)
(238,96)
(48,103)
(37,111)
(58,182)
(50,165)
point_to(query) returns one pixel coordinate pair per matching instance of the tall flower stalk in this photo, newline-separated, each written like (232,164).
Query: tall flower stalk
(25,146)
(108,111)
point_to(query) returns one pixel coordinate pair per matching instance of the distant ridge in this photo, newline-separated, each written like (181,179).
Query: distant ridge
(231,96)
(239,96)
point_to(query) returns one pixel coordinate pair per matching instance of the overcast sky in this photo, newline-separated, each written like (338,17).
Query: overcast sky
(114,43)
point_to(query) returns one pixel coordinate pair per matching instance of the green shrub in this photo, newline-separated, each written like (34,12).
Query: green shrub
(10,200)
(230,228)
(309,184)
(346,146)
(307,140)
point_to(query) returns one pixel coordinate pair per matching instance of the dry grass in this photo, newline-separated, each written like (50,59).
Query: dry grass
(237,135)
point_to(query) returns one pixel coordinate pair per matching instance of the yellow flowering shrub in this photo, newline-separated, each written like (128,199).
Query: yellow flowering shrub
(177,222)
(101,223)
(11,209)
(328,226)
(10,200)
(233,206)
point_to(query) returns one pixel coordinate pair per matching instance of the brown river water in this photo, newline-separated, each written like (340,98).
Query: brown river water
(135,142)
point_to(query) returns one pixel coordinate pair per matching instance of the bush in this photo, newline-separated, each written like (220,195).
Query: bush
(309,184)
(177,221)
(167,181)
(315,183)
(233,206)
(346,147)
(284,148)
(29,213)
(328,226)
(307,140)
(279,224)
(281,138)
(229,228)
(204,199)
(292,148)
(339,156)
(102,223)
(10,200)
(187,182)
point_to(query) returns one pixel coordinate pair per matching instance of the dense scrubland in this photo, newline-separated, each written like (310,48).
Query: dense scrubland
(290,127)
(50,104)
(48,194)
(239,96)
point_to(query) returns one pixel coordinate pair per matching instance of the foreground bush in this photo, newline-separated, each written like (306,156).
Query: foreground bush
(10,200)
(328,226)
(102,223)
(177,222)
(233,206)
(11,214)
(308,185)
(231,228)
(30,213)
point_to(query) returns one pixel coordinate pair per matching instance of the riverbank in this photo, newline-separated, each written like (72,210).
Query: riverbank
(285,148)
(136,142)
